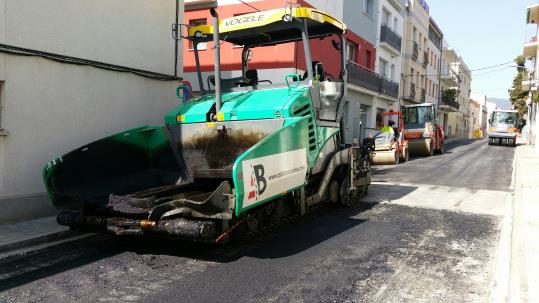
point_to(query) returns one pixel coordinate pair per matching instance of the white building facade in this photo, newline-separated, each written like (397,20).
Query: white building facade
(434,56)
(449,80)
(109,66)
(531,84)
(389,44)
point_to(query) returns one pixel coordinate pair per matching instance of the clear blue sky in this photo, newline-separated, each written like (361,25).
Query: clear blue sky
(485,33)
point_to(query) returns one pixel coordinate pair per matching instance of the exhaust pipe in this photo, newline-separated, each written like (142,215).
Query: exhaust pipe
(216,59)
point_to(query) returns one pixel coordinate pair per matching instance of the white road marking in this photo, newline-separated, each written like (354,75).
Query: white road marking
(475,201)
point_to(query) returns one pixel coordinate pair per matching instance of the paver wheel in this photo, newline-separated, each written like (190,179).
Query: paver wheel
(345,195)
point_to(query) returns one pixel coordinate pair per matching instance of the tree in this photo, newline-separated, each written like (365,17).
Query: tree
(517,96)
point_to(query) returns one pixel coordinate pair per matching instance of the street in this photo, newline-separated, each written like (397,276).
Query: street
(428,231)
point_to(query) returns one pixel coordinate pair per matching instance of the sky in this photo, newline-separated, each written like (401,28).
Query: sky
(485,33)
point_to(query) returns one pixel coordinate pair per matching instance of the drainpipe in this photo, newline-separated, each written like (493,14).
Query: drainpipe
(216,59)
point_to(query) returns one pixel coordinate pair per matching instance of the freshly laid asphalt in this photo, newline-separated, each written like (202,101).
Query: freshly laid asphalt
(372,252)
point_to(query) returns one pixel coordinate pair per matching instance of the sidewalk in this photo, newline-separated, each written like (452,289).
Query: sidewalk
(524,272)
(21,235)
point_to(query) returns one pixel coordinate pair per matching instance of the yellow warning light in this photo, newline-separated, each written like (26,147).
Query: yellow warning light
(180,118)
(220,116)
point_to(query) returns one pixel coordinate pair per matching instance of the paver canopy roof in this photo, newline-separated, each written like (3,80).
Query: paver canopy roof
(270,27)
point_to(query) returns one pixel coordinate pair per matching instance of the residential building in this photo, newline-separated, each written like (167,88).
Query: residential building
(463,115)
(475,116)
(369,93)
(531,52)
(449,83)
(415,52)
(73,75)
(434,59)
(483,112)
(456,72)
(388,50)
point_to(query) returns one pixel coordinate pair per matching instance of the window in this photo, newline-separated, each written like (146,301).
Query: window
(386,17)
(412,71)
(414,36)
(350,51)
(193,23)
(417,117)
(368,61)
(383,68)
(1,105)
(392,72)
(368,7)
(396,24)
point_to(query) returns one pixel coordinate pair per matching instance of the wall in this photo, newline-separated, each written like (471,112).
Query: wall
(123,32)
(52,108)
(418,17)
(359,22)
(399,29)
(268,60)
(433,70)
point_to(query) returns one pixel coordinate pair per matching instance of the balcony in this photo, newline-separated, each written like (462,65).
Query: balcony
(530,48)
(449,76)
(533,14)
(415,51)
(425,59)
(389,88)
(411,95)
(398,4)
(365,78)
(390,40)
(530,83)
(362,76)
(449,100)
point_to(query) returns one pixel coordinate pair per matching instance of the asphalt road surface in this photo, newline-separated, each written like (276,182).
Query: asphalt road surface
(427,232)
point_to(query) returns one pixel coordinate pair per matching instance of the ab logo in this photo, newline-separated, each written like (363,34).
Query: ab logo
(258,181)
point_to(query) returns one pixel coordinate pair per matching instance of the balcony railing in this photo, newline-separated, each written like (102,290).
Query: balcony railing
(390,37)
(389,88)
(412,92)
(415,51)
(447,73)
(450,102)
(363,77)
